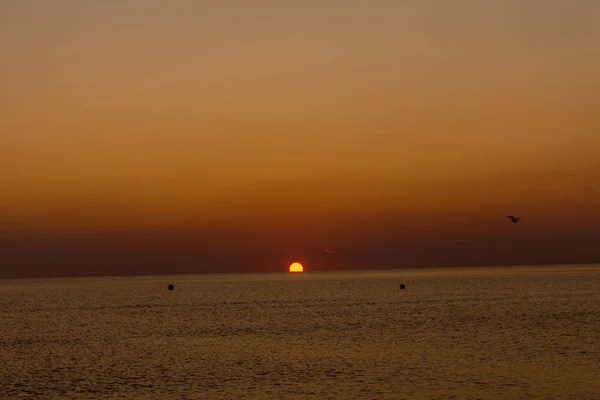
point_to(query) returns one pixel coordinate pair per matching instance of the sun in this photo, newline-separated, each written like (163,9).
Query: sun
(296,267)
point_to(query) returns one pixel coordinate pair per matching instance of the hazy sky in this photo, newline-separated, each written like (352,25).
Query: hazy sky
(142,136)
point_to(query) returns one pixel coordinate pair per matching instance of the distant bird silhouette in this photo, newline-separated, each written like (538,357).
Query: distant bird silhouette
(330,251)
(513,219)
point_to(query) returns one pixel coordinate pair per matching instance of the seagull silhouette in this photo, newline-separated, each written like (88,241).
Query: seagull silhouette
(513,219)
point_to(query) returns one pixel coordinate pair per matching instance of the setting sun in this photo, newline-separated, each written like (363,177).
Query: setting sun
(296,267)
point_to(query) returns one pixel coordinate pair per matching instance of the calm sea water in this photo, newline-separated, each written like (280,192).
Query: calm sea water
(506,333)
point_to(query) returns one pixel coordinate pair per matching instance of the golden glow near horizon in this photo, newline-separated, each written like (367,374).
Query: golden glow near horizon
(296,267)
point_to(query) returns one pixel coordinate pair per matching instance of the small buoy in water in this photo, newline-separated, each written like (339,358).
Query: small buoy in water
(171,287)
(402,286)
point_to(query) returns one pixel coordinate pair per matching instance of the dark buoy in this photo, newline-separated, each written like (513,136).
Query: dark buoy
(402,286)
(171,287)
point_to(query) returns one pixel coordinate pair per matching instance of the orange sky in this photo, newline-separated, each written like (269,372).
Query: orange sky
(268,129)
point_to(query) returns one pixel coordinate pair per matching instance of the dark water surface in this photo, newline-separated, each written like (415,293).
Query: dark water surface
(504,333)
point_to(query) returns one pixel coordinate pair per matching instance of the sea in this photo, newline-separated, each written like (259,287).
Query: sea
(454,333)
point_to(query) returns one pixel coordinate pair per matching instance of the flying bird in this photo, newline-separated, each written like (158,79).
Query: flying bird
(513,219)
(330,251)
